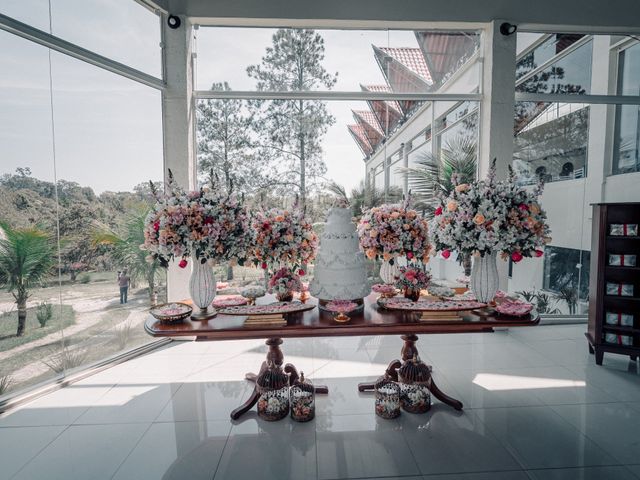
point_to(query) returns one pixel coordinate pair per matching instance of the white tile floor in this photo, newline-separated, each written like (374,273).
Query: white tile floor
(536,407)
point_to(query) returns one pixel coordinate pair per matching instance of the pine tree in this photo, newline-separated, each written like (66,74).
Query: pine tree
(225,144)
(291,130)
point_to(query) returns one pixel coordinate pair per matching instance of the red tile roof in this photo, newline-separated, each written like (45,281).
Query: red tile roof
(357,132)
(368,117)
(411,58)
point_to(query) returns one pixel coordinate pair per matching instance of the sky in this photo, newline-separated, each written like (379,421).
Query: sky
(108,130)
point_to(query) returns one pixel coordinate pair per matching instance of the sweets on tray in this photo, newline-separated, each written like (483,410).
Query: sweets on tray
(623,229)
(616,339)
(618,318)
(620,289)
(622,260)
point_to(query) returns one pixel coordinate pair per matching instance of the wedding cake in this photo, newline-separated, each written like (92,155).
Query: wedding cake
(340,271)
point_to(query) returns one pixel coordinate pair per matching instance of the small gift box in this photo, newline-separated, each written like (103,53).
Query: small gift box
(620,289)
(618,339)
(617,318)
(622,260)
(623,229)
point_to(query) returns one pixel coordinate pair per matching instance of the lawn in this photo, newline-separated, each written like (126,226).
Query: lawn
(63,316)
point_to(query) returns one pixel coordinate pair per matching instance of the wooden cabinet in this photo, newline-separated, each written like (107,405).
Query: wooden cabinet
(614,283)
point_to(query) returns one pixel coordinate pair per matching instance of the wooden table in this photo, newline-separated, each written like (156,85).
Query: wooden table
(371,320)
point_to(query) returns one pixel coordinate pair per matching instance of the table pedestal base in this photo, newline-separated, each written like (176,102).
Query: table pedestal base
(407,353)
(276,356)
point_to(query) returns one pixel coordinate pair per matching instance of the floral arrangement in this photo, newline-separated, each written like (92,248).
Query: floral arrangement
(283,237)
(412,277)
(394,230)
(491,216)
(284,281)
(208,224)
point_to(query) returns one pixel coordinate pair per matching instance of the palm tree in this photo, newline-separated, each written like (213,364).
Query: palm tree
(433,177)
(362,198)
(27,256)
(125,249)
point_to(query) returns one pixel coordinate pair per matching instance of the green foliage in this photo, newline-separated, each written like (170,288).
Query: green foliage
(67,359)
(62,317)
(124,245)
(27,256)
(362,198)
(123,334)
(5,383)
(433,176)
(290,131)
(44,312)
(84,278)
(544,302)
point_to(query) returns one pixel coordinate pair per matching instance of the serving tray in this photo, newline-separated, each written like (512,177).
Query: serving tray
(401,303)
(270,309)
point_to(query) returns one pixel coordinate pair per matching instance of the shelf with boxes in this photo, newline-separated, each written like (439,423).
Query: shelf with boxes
(614,288)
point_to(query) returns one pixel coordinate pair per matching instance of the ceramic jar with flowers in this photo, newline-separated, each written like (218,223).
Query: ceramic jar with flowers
(487,218)
(208,226)
(411,280)
(394,231)
(284,283)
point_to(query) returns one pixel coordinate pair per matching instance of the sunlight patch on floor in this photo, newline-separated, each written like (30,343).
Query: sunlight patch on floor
(499,382)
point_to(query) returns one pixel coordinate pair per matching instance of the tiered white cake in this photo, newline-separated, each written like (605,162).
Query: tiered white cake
(340,271)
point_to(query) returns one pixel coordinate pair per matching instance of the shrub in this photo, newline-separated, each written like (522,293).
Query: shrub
(67,359)
(44,312)
(123,334)
(5,383)
(84,278)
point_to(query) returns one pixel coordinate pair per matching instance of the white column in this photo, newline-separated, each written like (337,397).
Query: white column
(405,148)
(178,128)
(497,106)
(497,110)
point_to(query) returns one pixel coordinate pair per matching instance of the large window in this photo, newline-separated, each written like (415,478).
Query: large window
(566,274)
(626,151)
(79,146)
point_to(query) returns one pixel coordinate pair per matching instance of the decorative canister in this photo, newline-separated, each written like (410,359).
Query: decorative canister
(273,386)
(387,398)
(415,378)
(302,400)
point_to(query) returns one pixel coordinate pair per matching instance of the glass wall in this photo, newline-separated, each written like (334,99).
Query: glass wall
(626,150)
(79,145)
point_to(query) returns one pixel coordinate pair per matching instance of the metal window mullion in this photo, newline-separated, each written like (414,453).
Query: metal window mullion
(45,39)
(332,95)
(573,98)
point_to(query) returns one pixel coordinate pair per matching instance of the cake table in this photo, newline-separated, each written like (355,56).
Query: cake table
(371,320)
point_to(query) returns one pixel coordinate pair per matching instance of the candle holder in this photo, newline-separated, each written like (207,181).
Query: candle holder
(387,394)
(302,400)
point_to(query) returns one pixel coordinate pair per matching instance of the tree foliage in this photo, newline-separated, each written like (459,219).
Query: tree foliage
(290,131)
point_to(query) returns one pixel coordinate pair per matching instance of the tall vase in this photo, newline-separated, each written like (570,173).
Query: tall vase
(388,272)
(202,287)
(484,277)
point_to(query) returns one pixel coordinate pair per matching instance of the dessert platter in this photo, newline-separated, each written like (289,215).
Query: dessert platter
(429,305)
(270,309)
(171,312)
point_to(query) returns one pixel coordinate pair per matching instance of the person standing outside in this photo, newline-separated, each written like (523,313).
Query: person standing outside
(123,283)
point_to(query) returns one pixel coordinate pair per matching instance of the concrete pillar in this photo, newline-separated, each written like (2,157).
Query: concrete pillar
(404,155)
(497,110)
(178,127)
(497,106)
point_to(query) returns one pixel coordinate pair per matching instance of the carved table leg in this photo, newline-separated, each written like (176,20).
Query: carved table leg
(409,350)
(275,356)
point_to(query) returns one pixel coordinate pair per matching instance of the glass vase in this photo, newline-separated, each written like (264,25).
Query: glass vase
(412,294)
(202,288)
(484,277)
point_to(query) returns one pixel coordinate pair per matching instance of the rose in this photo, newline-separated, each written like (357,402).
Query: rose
(438,211)
(479,219)
(524,207)
(264,265)
(463,187)
(409,255)
(156,225)
(539,253)
(452,205)
(446,254)
(183,263)
(301,272)
(516,257)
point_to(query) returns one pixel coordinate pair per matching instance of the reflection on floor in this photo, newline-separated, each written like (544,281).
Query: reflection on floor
(536,407)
